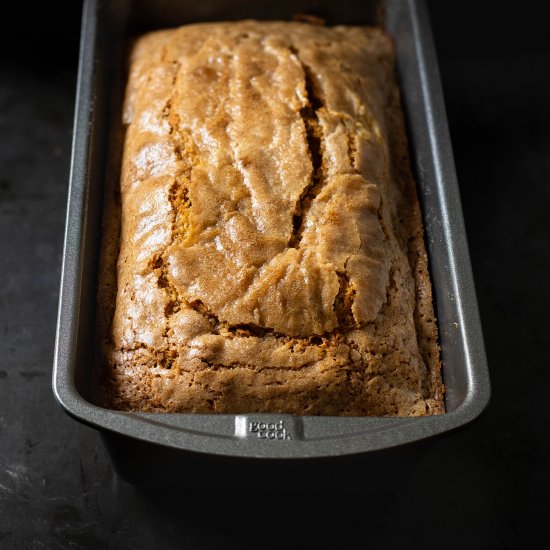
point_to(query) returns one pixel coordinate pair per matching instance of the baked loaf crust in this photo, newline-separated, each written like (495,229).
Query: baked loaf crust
(271,254)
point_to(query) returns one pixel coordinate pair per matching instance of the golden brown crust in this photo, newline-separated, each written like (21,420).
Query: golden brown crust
(271,249)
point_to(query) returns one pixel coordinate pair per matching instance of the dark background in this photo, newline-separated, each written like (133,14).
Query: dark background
(484,487)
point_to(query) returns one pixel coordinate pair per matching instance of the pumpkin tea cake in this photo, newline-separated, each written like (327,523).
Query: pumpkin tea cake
(270,255)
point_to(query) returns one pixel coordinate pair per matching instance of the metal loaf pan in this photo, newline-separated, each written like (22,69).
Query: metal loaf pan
(224,444)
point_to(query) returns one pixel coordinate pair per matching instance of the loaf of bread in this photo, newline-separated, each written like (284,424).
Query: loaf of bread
(270,251)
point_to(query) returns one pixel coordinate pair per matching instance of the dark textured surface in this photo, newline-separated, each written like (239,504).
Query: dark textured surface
(484,487)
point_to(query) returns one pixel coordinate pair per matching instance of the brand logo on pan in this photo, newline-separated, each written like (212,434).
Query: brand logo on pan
(271,431)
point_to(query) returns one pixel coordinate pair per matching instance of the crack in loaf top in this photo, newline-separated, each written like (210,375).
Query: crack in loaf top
(272,139)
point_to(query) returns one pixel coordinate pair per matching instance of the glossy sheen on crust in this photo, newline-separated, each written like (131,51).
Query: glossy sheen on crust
(271,253)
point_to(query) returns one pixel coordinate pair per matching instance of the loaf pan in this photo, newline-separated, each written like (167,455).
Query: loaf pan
(137,440)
